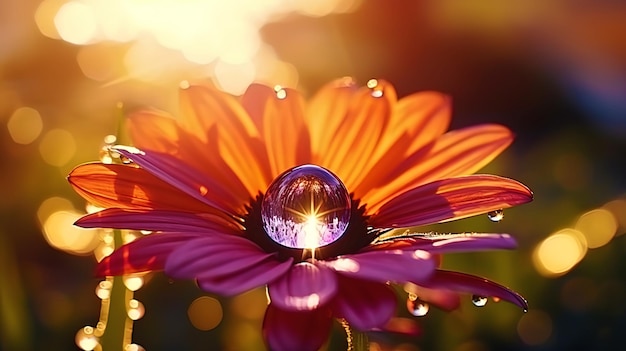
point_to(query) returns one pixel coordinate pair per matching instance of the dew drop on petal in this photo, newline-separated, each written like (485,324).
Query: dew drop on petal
(280,92)
(479,301)
(495,216)
(306,207)
(416,307)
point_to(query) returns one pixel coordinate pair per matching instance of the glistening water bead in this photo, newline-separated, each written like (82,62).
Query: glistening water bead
(306,207)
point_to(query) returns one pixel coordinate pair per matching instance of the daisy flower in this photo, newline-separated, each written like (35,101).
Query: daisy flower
(301,197)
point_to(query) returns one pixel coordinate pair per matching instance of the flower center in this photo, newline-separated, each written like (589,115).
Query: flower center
(306,207)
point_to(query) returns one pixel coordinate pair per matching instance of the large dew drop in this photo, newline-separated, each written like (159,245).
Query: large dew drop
(306,207)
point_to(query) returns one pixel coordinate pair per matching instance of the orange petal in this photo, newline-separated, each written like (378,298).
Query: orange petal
(129,187)
(284,131)
(349,153)
(152,129)
(326,111)
(254,100)
(239,143)
(424,115)
(416,120)
(156,131)
(459,152)
(451,199)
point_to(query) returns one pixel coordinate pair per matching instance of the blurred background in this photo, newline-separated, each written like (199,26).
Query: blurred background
(553,71)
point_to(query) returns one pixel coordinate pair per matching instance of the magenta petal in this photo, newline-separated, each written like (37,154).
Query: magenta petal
(449,199)
(188,180)
(384,266)
(365,305)
(157,220)
(296,330)
(237,282)
(462,282)
(448,243)
(305,287)
(219,253)
(144,254)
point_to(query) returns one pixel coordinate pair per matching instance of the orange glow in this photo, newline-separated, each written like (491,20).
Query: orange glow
(25,125)
(57,147)
(205,313)
(60,232)
(76,23)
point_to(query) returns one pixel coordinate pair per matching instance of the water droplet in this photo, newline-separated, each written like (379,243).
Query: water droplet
(372,83)
(495,216)
(416,307)
(479,301)
(184,84)
(135,309)
(134,347)
(280,92)
(133,283)
(377,93)
(103,290)
(85,338)
(306,207)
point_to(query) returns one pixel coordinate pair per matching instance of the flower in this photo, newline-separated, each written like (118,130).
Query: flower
(300,197)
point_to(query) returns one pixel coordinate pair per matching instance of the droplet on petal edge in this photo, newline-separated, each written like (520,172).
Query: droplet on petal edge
(479,301)
(306,207)
(416,307)
(495,216)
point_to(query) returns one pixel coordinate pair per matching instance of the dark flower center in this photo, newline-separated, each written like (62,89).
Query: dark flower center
(307,212)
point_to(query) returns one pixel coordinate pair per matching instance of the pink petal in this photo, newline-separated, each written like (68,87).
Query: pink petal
(188,180)
(365,305)
(384,266)
(462,282)
(448,243)
(305,287)
(144,254)
(216,252)
(449,199)
(225,264)
(296,330)
(158,220)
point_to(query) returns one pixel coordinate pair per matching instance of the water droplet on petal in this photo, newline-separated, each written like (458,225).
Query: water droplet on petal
(372,83)
(416,307)
(306,207)
(280,92)
(495,216)
(479,301)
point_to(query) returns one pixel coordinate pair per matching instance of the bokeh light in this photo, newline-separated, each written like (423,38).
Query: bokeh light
(60,232)
(25,125)
(76,22)
(535,327)
(560,252)
(205,313)
(57,147)
(598,226)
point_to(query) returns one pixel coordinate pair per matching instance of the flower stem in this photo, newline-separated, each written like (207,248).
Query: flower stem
(113,338)
(357,340)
